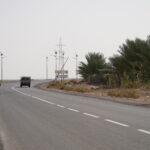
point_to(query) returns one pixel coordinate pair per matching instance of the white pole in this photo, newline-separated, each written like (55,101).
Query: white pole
(46,68)
(56,65)
(76,66)
(1,67)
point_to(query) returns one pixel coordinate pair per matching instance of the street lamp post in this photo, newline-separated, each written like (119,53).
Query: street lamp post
(1,54)
(56,65)
(56,73)
(77,66)
(62,73)
(46,67)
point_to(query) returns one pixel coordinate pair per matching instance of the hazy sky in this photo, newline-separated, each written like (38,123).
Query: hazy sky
(30,31)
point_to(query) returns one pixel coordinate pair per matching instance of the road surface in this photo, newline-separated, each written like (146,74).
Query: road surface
(32,119)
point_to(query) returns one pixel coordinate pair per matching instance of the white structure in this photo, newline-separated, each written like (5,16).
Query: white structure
(61,73)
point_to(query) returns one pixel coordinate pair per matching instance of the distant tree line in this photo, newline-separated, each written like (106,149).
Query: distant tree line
(129,68)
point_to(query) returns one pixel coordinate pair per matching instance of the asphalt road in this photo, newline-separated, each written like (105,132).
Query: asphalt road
(32,119)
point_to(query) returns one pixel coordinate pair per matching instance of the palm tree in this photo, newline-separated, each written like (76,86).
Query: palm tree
(95,61)
(134,60)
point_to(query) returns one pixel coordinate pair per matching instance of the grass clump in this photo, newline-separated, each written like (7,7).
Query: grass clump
(127,93)
(147,86)
(77,89)
(64,86)
(56,84)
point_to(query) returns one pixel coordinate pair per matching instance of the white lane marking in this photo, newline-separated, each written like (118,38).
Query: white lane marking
(27,94)
(87,114)
(16,90)
(144,131)
(43,100)
(94,116)
(34,97)
(61,106)
(73,109)
(118,123)
(21,92)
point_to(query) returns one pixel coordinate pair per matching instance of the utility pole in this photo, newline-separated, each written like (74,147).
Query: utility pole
(56,73)
(63,67)
(63,59)
(1,54)
(76,69)
(76,66)
(55,65)
(46,68)
(60,57)
(60,53)
(60,72)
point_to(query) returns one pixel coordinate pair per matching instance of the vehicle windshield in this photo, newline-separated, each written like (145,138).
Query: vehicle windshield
(25,78)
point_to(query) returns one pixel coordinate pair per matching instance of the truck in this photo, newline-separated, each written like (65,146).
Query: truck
(25,81)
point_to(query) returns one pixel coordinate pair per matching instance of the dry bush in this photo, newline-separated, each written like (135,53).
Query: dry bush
(56,84)
(127,93)
(74,81)
(82,89)
(147,86)
(64,86)
(77,89)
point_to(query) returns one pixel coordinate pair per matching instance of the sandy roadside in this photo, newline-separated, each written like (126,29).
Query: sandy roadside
(128,101)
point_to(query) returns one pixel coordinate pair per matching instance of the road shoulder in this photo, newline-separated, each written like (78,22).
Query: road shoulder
(127,101)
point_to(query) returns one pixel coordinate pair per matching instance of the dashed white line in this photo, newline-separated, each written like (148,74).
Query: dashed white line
(91,115)
(34,97)
(22,93)
(87,114)
(51,103)
(27,95)
(144,131)
(73,109)
(43,100)
(118,123)
(61,106)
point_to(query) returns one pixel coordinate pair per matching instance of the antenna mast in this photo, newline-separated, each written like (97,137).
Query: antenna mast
(60,54)
(61,72)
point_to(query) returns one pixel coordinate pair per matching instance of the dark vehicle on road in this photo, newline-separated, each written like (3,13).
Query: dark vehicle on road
(25,81)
